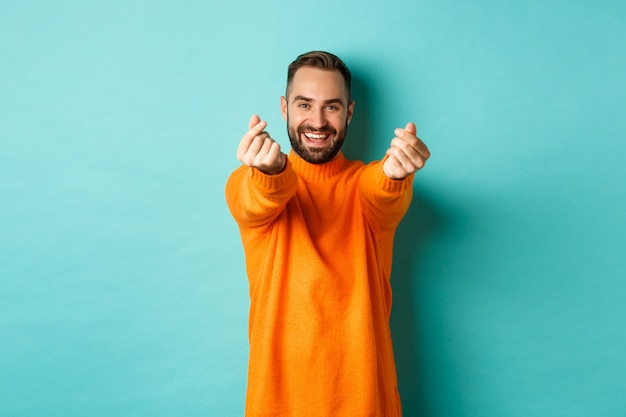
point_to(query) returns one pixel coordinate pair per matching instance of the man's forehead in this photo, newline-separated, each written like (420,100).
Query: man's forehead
(317,83)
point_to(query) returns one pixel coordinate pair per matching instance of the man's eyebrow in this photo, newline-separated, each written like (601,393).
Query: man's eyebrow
(308,100)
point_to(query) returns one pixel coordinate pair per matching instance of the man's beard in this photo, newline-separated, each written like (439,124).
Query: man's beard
(316,155)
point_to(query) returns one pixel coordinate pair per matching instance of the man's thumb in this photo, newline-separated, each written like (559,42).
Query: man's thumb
(254,120)
(410,127)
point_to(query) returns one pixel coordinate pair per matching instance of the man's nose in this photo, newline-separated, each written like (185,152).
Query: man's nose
(318,118)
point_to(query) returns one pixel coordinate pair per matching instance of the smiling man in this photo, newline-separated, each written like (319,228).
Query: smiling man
(318,112)
(317,231)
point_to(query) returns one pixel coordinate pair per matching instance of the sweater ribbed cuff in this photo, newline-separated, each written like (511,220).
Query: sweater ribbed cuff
(272,182)
(390,185)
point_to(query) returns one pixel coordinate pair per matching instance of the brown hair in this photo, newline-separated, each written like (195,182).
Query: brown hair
(322,60)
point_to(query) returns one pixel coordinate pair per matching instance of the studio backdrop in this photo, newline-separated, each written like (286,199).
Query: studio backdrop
(122,283)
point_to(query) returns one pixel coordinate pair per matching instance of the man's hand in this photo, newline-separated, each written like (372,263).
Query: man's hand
(258,150)
(406,155)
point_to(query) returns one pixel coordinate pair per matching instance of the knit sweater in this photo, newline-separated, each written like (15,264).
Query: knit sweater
(318,246)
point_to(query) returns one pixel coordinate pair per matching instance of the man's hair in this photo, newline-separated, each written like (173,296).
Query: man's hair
(321,60)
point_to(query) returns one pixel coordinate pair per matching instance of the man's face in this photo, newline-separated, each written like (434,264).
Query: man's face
(317,112)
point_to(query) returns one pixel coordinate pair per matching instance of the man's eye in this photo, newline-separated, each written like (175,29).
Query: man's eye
(331,108)
(303,105)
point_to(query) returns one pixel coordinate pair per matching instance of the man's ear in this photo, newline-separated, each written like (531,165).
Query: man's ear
(283,106)
(350,111)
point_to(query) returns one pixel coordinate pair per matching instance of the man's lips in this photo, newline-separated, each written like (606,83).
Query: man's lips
(316,138)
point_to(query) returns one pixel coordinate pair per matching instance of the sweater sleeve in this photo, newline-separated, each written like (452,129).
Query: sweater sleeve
(384,200)
(255,198)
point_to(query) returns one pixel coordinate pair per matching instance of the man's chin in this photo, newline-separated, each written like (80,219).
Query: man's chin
(316,155)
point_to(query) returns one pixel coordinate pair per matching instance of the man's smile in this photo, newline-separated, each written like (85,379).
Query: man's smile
(316,138)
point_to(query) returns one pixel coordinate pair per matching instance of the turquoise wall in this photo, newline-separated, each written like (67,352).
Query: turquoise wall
(122,284)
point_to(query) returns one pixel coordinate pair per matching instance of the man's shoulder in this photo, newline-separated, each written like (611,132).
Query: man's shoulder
(353,165)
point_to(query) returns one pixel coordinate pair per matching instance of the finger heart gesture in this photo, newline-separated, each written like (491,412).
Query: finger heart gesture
(258,150)
(406,155)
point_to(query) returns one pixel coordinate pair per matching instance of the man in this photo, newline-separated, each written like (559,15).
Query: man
(317,231)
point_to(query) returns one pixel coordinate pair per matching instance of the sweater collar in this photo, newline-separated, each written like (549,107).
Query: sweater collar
(317,172)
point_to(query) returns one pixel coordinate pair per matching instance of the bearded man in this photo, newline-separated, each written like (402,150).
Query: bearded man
(317,231)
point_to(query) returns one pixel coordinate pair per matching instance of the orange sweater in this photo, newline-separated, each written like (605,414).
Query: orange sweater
(318,243)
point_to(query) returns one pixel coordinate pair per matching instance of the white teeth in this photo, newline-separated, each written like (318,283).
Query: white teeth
(314,136)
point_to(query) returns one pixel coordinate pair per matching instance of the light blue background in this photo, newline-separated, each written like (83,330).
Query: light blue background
(122,284)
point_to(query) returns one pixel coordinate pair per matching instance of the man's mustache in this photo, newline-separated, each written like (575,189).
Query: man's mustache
(323,129)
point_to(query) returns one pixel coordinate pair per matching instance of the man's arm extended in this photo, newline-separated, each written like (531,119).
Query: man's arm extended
(258,190)
(386,190)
